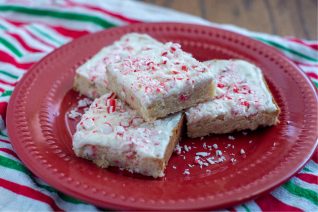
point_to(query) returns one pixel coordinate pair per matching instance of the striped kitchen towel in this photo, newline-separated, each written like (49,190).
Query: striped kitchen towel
(32,29)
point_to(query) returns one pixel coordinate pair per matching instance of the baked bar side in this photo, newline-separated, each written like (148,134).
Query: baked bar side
(104,158)
(174,139)
(200,93)
(87,87)
(158,166)
(219,125)
(277,112)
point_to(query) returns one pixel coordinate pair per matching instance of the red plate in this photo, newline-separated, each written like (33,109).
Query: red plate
(41,132)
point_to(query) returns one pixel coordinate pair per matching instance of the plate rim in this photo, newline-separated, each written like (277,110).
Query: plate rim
(55,183)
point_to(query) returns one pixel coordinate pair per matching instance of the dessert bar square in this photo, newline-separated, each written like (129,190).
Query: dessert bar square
(161,81)
(91,80)
(112,134)
(242,101)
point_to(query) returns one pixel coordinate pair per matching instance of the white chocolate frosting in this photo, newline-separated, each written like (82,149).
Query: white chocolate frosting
(159,72)
(111,123)
(240,91)
(95,68)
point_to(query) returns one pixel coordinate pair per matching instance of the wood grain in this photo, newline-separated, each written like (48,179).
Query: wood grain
(296,18)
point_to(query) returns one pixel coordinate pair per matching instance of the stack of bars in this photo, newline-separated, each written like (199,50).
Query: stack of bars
(144,91)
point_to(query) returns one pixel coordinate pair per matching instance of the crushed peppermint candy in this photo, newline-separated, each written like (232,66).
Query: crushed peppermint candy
(250,142)
(178,149)
(230,137)
(244,133)
(242,151)
(215,146)
(186,172)
(174,167)
(74,114)
(233,160)
(84,102)
(201,163)
(221,159)
(204,145)
(186,148)
(218,152)
(203,154)
(201,138)
(210,160)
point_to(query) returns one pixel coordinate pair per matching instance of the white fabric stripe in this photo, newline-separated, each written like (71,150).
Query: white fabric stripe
(89,26)
(10,201)
(23,179)
(53,33)
(7,155)
(1,136)
(293,200)
(309,68)
(298,58)
(5,145)
(7,50)
(295,46)
(26,58)
(305,184)
(316,81)
(7,78)
(32,28)
(4,99)
(87,11)
(252,206)
(5,132)
(312,166)
(12,69)
(32,58)
(6,87)
(15,43)
(71,206)
(268,37)
(27,38)
(240,208)
(147,12)
(63,7)
(33,42)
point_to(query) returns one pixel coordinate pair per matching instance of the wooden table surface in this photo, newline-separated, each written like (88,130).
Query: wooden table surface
(283,17)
